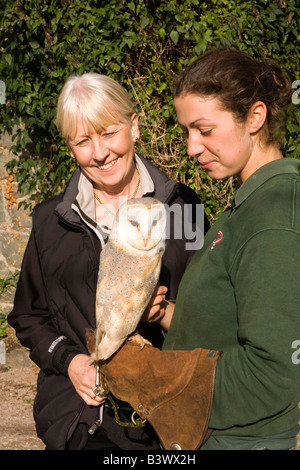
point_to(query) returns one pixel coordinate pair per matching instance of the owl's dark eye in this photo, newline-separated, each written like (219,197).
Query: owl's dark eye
(154,223)
(134,223)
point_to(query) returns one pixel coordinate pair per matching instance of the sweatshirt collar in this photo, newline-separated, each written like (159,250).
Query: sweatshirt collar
(263,174)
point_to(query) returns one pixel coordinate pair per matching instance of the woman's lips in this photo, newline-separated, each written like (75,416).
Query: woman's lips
(107,166)
(205,165)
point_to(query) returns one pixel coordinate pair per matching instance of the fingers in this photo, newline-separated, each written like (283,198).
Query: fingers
(91,400)
(83,377)
(87,393)
(156,312)
(160,291)
(156,308)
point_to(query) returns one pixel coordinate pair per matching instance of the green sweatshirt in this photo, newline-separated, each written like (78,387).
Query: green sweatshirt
(241,295)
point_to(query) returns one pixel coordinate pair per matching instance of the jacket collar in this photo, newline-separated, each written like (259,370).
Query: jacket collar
(164,188)
(64,208)
(263,174)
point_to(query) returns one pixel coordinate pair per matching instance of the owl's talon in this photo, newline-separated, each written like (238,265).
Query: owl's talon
(140,340)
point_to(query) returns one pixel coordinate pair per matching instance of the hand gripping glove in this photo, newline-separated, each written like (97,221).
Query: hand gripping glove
(173,390)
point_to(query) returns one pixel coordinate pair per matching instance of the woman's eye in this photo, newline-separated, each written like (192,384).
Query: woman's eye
(82,142)
(206,133)
(108,134)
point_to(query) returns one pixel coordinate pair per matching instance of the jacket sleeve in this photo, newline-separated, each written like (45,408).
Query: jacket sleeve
(31,318)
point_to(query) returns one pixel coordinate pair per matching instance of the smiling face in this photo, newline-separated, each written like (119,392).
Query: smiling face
(222,146)
(106,157)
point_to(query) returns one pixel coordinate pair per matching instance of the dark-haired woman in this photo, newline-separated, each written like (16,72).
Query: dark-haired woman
(247,272)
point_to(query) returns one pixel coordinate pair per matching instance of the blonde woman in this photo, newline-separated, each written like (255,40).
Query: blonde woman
(55,298)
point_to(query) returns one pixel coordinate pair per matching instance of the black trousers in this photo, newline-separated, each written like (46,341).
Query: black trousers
(100,441)
(112,436)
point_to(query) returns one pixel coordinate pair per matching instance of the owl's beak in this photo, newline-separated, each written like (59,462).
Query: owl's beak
(146,235)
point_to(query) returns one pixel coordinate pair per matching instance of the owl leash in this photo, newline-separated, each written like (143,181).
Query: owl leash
(101,390)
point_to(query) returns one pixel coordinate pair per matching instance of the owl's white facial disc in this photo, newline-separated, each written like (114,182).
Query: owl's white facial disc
(141,224)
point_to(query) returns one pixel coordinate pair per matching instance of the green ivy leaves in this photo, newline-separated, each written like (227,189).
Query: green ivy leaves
(143,45)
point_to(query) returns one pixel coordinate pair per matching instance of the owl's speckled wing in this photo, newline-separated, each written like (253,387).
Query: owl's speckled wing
(122,296)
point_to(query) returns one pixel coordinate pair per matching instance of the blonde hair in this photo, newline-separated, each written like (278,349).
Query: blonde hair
(100,99)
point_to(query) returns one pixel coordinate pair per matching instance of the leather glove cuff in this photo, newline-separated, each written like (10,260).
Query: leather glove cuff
(173,390)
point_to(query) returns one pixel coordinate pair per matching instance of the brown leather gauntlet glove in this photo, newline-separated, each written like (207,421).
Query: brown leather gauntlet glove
(173,390)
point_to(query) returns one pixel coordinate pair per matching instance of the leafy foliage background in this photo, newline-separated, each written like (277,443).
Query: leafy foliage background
(143,45)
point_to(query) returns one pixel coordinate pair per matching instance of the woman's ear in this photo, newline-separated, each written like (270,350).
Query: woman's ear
(135,127)
(257,117)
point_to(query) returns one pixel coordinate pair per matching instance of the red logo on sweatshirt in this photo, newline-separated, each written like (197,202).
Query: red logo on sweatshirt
(217,240)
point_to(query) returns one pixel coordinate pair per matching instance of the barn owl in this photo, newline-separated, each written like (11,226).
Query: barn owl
(129,269)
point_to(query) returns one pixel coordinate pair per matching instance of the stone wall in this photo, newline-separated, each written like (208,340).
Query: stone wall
(15,224)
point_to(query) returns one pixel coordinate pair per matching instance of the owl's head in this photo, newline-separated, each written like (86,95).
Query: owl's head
(141,224)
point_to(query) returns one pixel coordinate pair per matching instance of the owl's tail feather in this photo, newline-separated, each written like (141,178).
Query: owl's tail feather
(90,337)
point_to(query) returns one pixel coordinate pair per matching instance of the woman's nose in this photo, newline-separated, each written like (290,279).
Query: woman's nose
(100,149)
(194,145)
